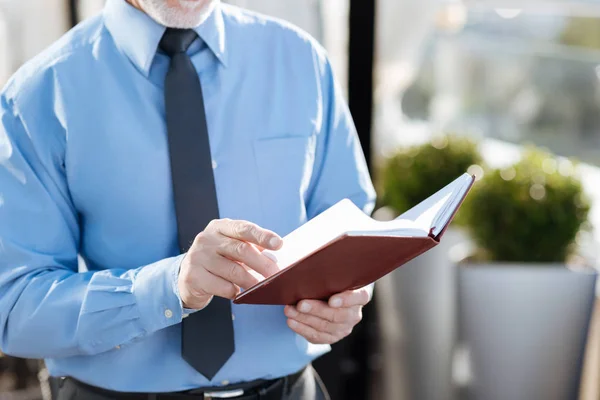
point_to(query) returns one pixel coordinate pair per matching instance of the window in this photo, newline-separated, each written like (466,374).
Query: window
(516,75)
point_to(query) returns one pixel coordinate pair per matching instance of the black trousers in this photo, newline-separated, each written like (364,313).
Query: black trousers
(308,387)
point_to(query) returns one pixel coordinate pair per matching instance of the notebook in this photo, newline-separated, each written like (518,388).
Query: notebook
(343,248)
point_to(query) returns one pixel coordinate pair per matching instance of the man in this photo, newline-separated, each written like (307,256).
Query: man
(167,158)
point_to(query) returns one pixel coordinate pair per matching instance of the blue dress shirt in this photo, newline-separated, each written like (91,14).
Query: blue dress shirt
(84,174)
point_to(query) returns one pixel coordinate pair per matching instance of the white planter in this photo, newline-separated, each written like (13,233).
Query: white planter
(418,303)
(525,328)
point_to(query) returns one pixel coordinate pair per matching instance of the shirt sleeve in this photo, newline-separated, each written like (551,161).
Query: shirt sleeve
(340,167)
(47,308)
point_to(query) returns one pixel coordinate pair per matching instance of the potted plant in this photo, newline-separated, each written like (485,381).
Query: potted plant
(416,172)
(423,290)
(524,306)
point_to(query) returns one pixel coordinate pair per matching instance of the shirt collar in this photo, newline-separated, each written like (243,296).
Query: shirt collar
(138,35)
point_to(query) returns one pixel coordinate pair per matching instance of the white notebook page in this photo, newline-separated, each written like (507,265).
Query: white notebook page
(344,217)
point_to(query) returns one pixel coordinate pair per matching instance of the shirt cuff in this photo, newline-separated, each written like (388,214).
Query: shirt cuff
(188,311)
(157,295)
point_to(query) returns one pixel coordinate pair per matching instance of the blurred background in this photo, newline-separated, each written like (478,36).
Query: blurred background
(506,307)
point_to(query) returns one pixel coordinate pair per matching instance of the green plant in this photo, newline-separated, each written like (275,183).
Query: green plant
(529,212)
(581,32)
(415,173)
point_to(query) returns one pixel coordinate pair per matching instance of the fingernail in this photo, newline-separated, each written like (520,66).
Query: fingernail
(292,312)
(293,323)
(305,307)
(336,302)
(275,242)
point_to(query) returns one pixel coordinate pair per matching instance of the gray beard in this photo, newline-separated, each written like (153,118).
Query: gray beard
(184,16)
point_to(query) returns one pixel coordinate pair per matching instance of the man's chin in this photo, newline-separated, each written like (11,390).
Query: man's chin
(182,14)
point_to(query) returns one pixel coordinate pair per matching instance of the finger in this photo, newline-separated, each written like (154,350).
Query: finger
(319,324)
(214,284)
(232,272)
(249,232)
(244,252)
(358,297)
(311,334)
(351,315)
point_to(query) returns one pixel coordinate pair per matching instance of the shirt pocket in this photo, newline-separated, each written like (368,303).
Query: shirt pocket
(284,167)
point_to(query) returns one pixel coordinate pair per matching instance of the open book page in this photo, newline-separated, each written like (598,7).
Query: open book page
(341,218)
(432,213)
(400,226)
(346,218)
(325,227)
(460,187)
(429,214)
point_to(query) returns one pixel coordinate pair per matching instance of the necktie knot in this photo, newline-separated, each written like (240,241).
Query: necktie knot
(177,40)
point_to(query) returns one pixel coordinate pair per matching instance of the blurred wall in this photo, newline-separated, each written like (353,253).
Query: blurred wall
(27,27)
(5,59)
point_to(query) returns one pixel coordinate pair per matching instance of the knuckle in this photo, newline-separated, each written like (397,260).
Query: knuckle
(253,231)
(261,238)
(199,238)
(198,293)
(240,248)
(323,325)
(243,229)
(339,316)
(233,272)
(197,251)
(261,235)
(226,245)
(212,224)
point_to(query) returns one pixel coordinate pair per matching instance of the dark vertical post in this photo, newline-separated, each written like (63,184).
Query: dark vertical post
(346,370)
(361,53)
(73,10)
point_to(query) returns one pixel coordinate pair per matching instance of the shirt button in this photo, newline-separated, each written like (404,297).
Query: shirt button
(168,313)
(214,164)
(117,347)
(225,382)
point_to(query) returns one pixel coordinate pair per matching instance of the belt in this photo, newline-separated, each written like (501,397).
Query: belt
(257,390)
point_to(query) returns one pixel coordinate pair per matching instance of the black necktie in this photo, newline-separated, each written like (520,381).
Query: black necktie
(207,335)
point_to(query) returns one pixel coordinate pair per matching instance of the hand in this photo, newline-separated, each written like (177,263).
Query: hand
(328,323)
(223,259)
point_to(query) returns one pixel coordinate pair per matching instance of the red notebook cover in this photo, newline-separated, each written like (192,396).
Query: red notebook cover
(347,263)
